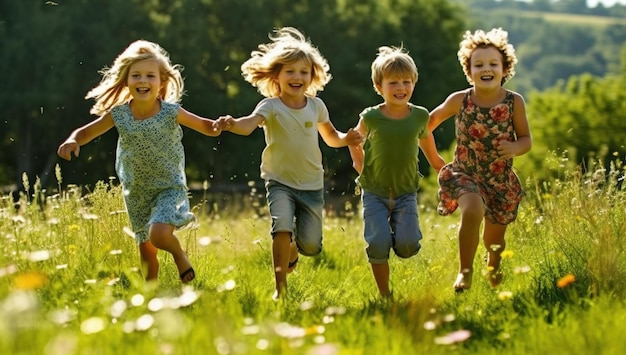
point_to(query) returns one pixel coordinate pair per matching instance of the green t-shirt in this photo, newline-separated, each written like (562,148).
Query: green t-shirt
(390,163)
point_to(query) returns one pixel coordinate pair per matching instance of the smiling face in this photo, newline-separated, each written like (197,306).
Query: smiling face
(294,78)
(144,80)
(486,67)
(396,90)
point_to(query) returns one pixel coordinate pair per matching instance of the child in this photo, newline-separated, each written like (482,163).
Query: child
(289,72)
(491,129)
(387,163)
(139,95)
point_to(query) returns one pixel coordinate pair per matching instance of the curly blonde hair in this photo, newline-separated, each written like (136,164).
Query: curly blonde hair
(113,90)
(392,62)
(497,38)
(287,46)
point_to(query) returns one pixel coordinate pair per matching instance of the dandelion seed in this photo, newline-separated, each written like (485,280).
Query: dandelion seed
(89,216)
(91,281)
(495,247)
(62,316)
(229,285)
(61,266)
(129,232)
(306,306)
(430,325)
(505,295)
(128,327)
(320,339)
(156,304)
(53,221)
(538,220)
(250,330)
(521,269)
(137,300)
(144,322)
(565,281)
(113,281)
(92,325)
(454,337)
(18,219)
(40,255)
(335,310)
(30,281)
(204,241)
(118,308)
(115,252)
(262,344)
(449,318)
(8,270)
(286,330)
(189,296)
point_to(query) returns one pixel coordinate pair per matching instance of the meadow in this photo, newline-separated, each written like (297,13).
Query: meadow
(71,281)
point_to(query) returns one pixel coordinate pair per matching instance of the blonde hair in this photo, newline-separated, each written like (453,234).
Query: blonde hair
(392,62)
(497,38)
(287,46)
(112,89)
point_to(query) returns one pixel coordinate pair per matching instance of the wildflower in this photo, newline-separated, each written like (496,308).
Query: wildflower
(454,337)
(30,280)
(505,295)
(507,254)
(565,280)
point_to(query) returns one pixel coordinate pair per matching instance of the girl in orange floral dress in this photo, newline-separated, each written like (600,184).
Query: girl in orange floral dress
(491,129)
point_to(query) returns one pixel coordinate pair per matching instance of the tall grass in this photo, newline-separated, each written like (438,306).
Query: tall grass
(71,282)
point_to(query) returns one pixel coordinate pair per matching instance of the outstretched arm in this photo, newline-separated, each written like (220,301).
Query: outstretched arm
(84,135)
(197,123)
(242,126)
(335,139)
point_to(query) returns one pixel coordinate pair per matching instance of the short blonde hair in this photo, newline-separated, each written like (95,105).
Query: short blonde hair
(497,38)
(287,46)
(112,89)
(392,62)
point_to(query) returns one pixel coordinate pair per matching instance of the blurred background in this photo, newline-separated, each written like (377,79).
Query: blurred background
(571,70)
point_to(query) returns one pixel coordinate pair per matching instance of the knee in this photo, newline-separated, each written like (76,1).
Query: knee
(310,249)
(407,250)
(474,213)
(378,250)
(159,234)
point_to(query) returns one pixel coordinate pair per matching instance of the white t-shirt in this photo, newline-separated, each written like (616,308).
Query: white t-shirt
(292,155)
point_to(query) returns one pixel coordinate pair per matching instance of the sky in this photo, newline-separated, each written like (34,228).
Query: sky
(606,3)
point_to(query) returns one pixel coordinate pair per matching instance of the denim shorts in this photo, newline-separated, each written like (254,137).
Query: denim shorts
(390,224)
(298,212)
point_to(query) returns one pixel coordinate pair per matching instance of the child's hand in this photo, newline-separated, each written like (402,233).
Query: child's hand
(353,137)
(67,148)
(224,123)
(506,149)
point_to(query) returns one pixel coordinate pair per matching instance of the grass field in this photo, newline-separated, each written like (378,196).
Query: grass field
(70,282)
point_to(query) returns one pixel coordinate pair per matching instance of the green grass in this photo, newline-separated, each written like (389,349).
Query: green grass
(70,282)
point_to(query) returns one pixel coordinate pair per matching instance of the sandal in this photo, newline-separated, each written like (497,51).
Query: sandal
(186,273)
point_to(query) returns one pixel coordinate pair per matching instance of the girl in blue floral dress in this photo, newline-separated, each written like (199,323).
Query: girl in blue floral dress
(491,129)
(139,96)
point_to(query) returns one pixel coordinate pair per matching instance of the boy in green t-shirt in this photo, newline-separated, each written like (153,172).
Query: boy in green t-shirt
(387,163)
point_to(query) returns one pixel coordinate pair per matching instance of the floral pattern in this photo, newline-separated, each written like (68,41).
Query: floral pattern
(477,166)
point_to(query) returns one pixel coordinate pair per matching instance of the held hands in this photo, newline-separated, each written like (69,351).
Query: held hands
(67,148)
(224,123)
(353,137)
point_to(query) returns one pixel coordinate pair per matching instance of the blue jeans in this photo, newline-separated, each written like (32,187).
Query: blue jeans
(298,212)
(390,224)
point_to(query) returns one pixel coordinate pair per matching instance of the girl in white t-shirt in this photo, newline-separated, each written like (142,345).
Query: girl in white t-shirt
(289,72)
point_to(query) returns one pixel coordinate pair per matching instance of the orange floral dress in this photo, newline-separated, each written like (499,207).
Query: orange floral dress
(477,166)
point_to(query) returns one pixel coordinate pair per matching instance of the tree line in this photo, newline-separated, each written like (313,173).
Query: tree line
(52,52)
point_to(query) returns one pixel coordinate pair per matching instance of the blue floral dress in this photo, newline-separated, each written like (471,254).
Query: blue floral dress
(477,166)
(150,163)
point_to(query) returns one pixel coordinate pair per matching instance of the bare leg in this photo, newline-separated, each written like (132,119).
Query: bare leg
(162,236)
(149,260)
(493,237)
(472,213)
(293,257)
(281,250)
(381,275)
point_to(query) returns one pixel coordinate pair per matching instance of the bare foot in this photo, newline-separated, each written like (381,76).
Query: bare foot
(463,281)
(495,276)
